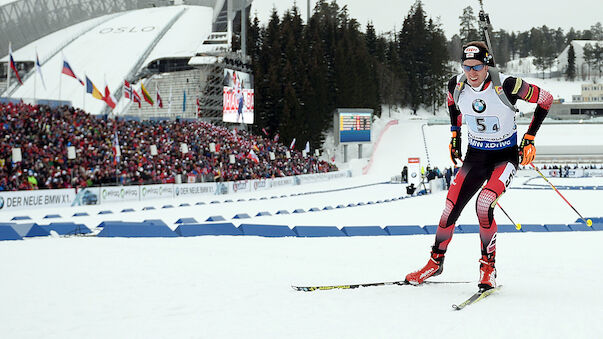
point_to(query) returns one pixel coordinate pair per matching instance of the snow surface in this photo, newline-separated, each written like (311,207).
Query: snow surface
(228,287)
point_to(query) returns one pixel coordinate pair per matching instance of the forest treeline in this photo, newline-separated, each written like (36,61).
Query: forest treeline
(304,71)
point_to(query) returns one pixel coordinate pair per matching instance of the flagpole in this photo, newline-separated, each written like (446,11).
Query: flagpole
(8,67)
(35,76)
(61,77)
(84,96)
(35,86)
(156,101)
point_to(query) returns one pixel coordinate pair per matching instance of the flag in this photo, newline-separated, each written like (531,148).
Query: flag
(292,146)
(184,102)
(39,70)
(307,149)
(109,98)
(264,130)
(136,98)
(127,90)
(255,147)
(116,150)
(13,66)
(69,71)
(198,108)
(146,95)
(253,157)
(159,100)
(90,88)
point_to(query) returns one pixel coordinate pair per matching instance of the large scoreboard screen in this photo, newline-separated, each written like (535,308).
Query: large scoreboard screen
(238,97)
(355,126)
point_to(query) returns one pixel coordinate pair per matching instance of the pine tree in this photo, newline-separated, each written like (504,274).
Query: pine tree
(454,47)
(413,51)
(438,70)
(270,84)
(371,39)
(589,57)
(570,72)
(467,30)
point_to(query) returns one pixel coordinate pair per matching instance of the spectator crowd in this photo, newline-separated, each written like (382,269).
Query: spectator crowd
(43,134)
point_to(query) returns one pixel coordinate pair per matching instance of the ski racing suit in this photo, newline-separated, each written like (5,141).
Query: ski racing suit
(492,153)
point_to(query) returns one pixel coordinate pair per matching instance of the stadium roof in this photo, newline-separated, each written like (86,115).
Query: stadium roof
(111,48)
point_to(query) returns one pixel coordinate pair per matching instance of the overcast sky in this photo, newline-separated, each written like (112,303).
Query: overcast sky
(510,15)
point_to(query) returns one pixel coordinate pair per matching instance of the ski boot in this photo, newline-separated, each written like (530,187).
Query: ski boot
(487,272)
(434,267)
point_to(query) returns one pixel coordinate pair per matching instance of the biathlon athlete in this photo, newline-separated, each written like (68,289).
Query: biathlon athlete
(492,156)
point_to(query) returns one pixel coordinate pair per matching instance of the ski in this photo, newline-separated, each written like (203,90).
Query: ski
(384,283)
(477,296)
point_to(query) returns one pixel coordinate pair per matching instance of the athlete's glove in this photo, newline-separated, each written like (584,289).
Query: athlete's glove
(527,150)
(455,147)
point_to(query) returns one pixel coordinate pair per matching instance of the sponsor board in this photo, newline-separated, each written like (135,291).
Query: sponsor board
(87,196)
(150,192)
(182,190)
(36,199)
(120,193)
(284,181)
(240,186)
(259,185)
(309,178)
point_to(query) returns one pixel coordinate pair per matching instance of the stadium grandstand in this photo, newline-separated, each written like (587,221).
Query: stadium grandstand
(68,115)
(176,48)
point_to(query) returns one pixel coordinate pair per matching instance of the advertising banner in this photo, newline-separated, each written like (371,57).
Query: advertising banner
(36,199)
(240,186)
(87,196)
(310,178)
(259,185)
(150,192)
(120,193)
(238,97)
(187,190)
(280,182)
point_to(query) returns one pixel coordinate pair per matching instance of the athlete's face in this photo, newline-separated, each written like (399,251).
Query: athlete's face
(475,77)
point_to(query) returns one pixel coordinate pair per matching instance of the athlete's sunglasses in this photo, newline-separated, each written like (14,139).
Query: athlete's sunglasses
(476,68)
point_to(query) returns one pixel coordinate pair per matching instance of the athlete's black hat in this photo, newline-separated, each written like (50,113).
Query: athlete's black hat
(474,51)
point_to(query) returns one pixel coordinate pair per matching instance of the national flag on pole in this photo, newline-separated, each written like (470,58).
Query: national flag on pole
(13,66)
(90,88)
(146,95)
(253,157)
(109,98)
(255,147)
(307,149)
(69,71)
(116,150)
(39,70)
(127,90)
(159,100)
(136,98)
(184,102)
(292,146)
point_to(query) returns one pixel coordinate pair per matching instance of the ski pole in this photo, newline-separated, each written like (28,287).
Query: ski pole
(517,226)
(588,222)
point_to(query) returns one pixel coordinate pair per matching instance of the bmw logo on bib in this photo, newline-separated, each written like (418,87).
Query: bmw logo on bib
(479,105)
